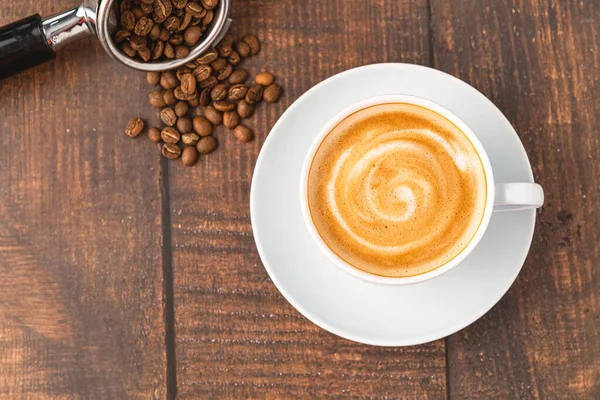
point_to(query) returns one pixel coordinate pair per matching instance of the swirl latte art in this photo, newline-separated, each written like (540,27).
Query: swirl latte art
(396,190)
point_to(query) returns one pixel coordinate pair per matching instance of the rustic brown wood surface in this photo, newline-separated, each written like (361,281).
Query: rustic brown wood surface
(124,276)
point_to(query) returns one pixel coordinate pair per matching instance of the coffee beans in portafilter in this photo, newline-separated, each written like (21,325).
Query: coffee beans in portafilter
(207,92)
(160,30)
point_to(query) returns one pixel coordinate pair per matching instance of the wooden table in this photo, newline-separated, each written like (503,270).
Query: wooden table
(126,276)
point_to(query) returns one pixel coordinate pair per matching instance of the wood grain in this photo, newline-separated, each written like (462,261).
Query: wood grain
(81,289)
(539,62)
(236,335)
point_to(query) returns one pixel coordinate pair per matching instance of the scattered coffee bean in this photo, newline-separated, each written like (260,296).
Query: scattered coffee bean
(236,92)
(182,108)
(245,109)
(215,117)
(202,72)
(202,126)
(253,42)
(254,94)
(208,57)
(168,116)
(206,145)
(169,97)
(242,48)
(168,80)
(218,64)
(170,135)
(238,76)
(219,92)
(223,106)
(181,71)
(264,79)
(182,51)
(243,133)
(156,98)
(231,119)
(205,97)
(189,156)
(209,82)
(153,78)
(272,93)
(194,101)
(190,139)
(154,134)
(188,84)
(225,72)
(171,151)
(234,58)
(184,125)
(135,126)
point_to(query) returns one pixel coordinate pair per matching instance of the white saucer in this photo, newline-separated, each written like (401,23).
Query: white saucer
(345,305)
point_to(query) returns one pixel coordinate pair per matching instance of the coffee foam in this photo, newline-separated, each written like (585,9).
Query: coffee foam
(396,190)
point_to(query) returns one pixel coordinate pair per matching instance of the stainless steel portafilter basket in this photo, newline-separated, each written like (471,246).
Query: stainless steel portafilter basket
(33,40)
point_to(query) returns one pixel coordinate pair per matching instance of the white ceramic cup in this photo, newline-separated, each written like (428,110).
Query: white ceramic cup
(512,196)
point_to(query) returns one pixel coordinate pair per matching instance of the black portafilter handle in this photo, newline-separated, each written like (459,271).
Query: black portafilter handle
(23,45)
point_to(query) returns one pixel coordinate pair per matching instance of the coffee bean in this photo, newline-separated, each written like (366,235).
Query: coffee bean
(208,57)
(154,32)
(206,145)
(209,82)
(225,73)
(169,97)
(192,35)
(168,80)
(202,126)
(127,21)
(137,42)
(135,126)
(169,51)
(224,50)
(205,97)
(153,78)
(202,72)
(243,133)
(237,92)
(125,6)
(208,17)
(218,64)
(168,116)
(231,119)
(272,93)
(164,35)
(223,106)
(181,108)
(195,9)
(193,102)
(215,117)
(179,3)
(126,48)
(156,98)
(242,48)
(158,50)
(209,4)
(147,8)
(253,42)
(121,35)
(190,139)
(170,135)
(182,71)
(154,134)
(264,79)
(171,151)
(245,109)
(189,156)
(144,54)
(182,51)
(219,92)
(188,84)
(238,76)
(234,58)
(181,95)
(227,40)
(143,26)
(184,125)
(254,94)
(171,23)
(138,12)
(184,22)
(162,10)
(176,39)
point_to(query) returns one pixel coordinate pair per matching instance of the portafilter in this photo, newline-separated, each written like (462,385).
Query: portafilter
(33,40)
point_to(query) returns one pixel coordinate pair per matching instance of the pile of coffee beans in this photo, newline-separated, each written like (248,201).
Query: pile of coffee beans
(209,91)
(162,29)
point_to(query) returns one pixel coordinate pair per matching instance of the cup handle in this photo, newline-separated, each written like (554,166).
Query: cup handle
(517,196)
